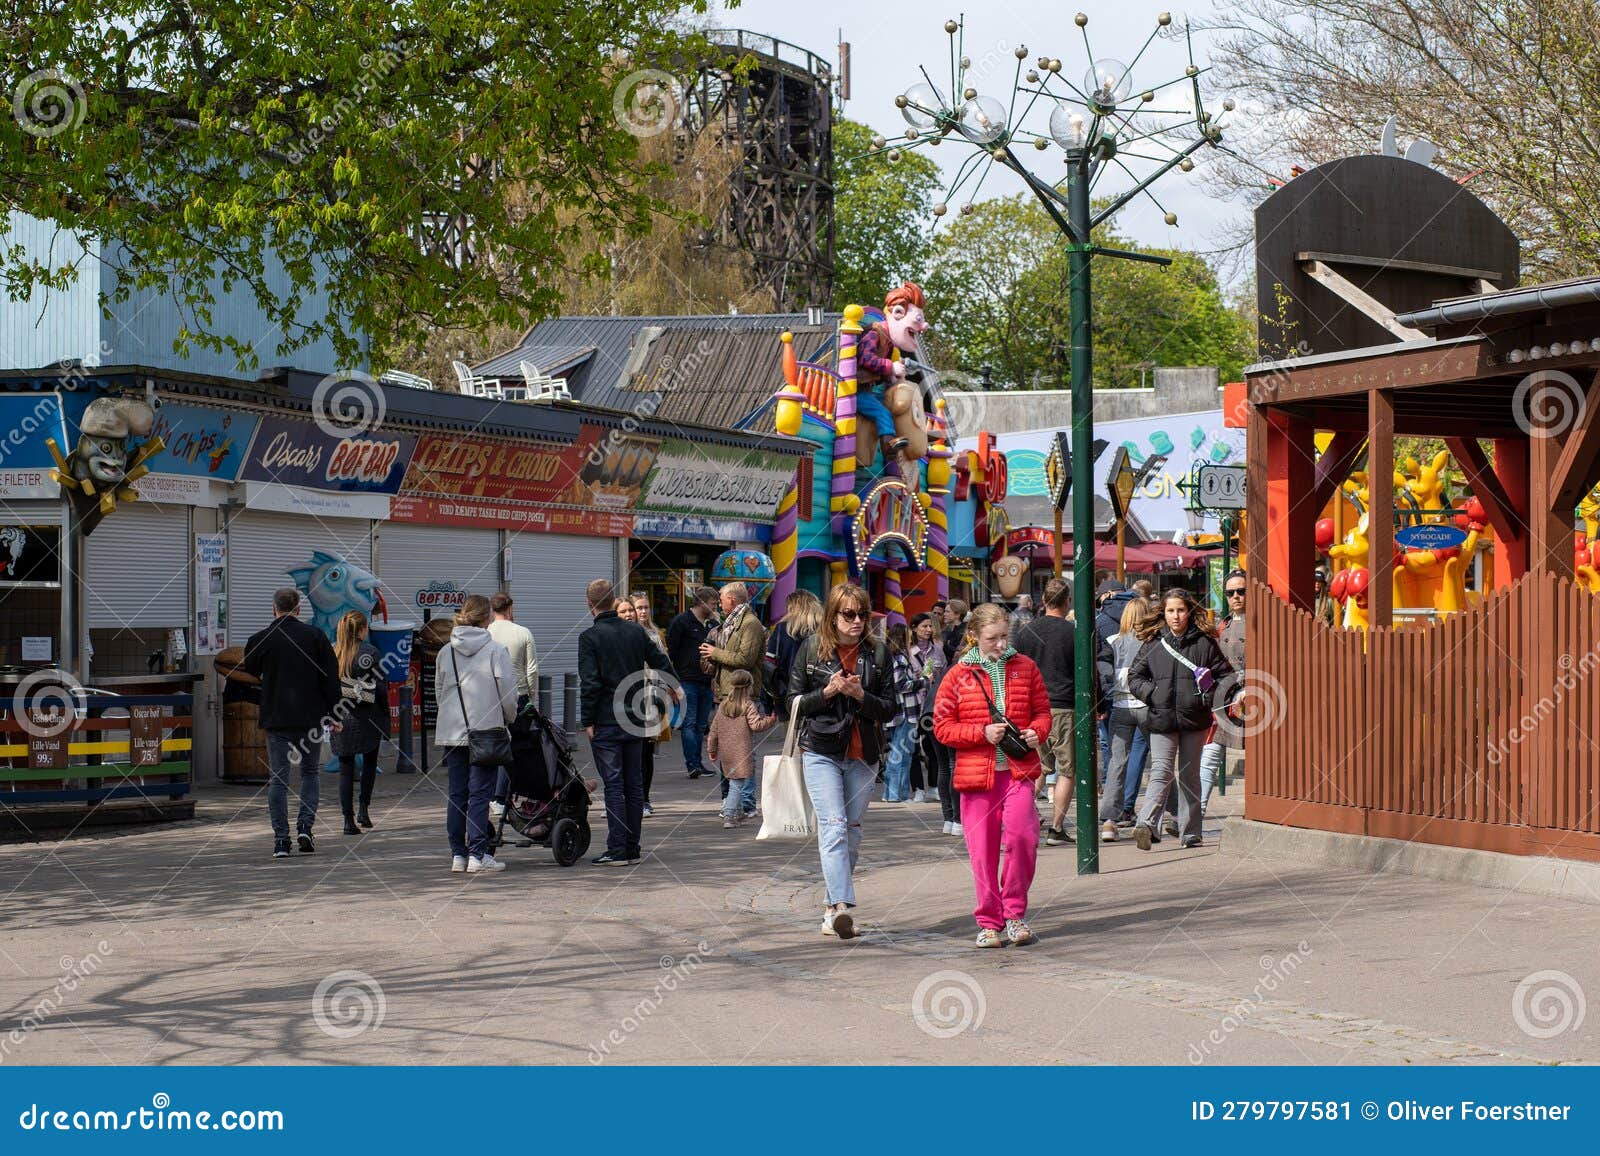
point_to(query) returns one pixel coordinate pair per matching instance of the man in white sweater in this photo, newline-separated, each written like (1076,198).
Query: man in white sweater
(518,641)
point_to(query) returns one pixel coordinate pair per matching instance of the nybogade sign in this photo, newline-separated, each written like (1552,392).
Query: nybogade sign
(716,481)
(294,453)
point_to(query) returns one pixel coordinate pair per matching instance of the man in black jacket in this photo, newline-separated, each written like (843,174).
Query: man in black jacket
(685,635)
(299,691)
(616,709)
(1050,640)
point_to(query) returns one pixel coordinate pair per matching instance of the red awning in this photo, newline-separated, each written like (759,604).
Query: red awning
(1145,558)
(1181,557)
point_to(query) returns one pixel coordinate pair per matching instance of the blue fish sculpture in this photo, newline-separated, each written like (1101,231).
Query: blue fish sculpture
(335,586)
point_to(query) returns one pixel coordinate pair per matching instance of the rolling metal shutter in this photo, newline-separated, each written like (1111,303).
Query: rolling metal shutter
(137,569)
(410,556)
(263,546)
(30,512)
(549,574)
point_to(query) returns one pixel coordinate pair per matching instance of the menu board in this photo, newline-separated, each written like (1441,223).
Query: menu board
(210,593)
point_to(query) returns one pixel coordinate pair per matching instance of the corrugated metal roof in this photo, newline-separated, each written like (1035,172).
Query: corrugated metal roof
(614,338)
(708,376)
(550,360)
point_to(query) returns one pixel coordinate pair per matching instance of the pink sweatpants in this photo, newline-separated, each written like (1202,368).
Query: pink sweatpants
(1007,805)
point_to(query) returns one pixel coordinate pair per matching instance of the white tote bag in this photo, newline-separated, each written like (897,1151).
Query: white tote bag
(786,810)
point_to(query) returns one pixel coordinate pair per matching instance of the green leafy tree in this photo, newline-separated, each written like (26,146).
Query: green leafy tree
(1000,281)
(882,212)
(991,297)
(216,141)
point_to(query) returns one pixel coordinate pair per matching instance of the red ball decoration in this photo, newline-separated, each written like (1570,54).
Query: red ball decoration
(1324,534)
(1339,588)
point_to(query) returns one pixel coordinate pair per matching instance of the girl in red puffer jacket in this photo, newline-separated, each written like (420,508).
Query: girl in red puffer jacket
(991,680)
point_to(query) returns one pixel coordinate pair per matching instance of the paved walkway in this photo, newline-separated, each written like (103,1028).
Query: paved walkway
(189,944)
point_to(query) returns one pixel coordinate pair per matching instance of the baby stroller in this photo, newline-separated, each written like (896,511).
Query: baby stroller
(547,804)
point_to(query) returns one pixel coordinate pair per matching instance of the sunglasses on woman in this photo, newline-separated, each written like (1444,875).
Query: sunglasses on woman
(852,615)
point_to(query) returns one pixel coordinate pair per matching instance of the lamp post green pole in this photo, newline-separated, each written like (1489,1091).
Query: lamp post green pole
(1085,742)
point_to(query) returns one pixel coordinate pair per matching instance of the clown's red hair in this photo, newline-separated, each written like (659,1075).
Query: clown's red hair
(909,294)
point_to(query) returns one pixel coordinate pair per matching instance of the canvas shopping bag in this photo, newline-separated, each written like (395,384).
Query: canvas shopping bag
(786,810)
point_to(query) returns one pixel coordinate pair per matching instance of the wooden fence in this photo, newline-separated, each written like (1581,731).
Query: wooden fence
(1482,730)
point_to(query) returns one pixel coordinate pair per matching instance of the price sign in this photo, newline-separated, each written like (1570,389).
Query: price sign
(49,731)
(144,730)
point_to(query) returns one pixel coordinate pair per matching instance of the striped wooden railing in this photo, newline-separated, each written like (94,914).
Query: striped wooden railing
(93,761)
(1480,731)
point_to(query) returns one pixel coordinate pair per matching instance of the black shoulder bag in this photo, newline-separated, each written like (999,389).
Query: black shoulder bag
(1011,744)
(485,748)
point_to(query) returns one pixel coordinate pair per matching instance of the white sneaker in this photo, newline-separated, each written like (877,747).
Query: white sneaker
(918,797)
(497,810)
(487,863)
(458,863)
(947,825)
(955,829)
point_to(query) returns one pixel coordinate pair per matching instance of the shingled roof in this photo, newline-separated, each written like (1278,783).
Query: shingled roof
(713,377)
(614,340)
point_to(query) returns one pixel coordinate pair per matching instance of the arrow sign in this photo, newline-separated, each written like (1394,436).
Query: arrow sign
(1058,470)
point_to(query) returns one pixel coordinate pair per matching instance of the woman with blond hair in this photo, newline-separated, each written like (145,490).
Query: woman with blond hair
(363,715)
(802,614)
(1127,718)
(476,690)
(994,711)
(839,689)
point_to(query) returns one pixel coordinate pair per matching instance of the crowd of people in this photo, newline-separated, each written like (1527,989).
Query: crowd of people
(974,709)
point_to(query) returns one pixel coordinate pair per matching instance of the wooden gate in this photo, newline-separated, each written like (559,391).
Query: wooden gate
(1481,731)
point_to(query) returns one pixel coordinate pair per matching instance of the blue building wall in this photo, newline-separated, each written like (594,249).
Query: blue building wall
(68,324)
(53,325)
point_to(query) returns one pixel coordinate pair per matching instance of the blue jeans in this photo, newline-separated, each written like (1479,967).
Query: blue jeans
(741,796)
(840,790)
(619,757)
(696,721)
(286,751)
(869,404)
(466,818)
(897,772)
(1138,753)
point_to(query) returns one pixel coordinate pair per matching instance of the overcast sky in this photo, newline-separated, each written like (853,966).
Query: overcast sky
(890,39)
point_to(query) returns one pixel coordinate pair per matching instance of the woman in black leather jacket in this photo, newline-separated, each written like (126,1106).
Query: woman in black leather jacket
(839,686)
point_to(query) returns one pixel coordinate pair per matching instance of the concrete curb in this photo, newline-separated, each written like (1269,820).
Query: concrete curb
(1567,879)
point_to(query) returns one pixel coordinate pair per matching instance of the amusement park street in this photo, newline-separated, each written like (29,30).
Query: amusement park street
(189,944)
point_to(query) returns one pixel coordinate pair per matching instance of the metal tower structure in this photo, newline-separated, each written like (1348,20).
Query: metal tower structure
(781,114)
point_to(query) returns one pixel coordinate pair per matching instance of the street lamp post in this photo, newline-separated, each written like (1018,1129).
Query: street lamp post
(1097,126)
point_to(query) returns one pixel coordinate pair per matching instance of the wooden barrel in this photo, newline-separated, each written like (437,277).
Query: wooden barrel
(244,746)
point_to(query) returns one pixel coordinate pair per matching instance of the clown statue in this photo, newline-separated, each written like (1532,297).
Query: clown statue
(889,410)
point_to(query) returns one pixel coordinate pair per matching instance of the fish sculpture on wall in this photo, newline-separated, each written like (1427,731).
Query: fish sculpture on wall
(334,586)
